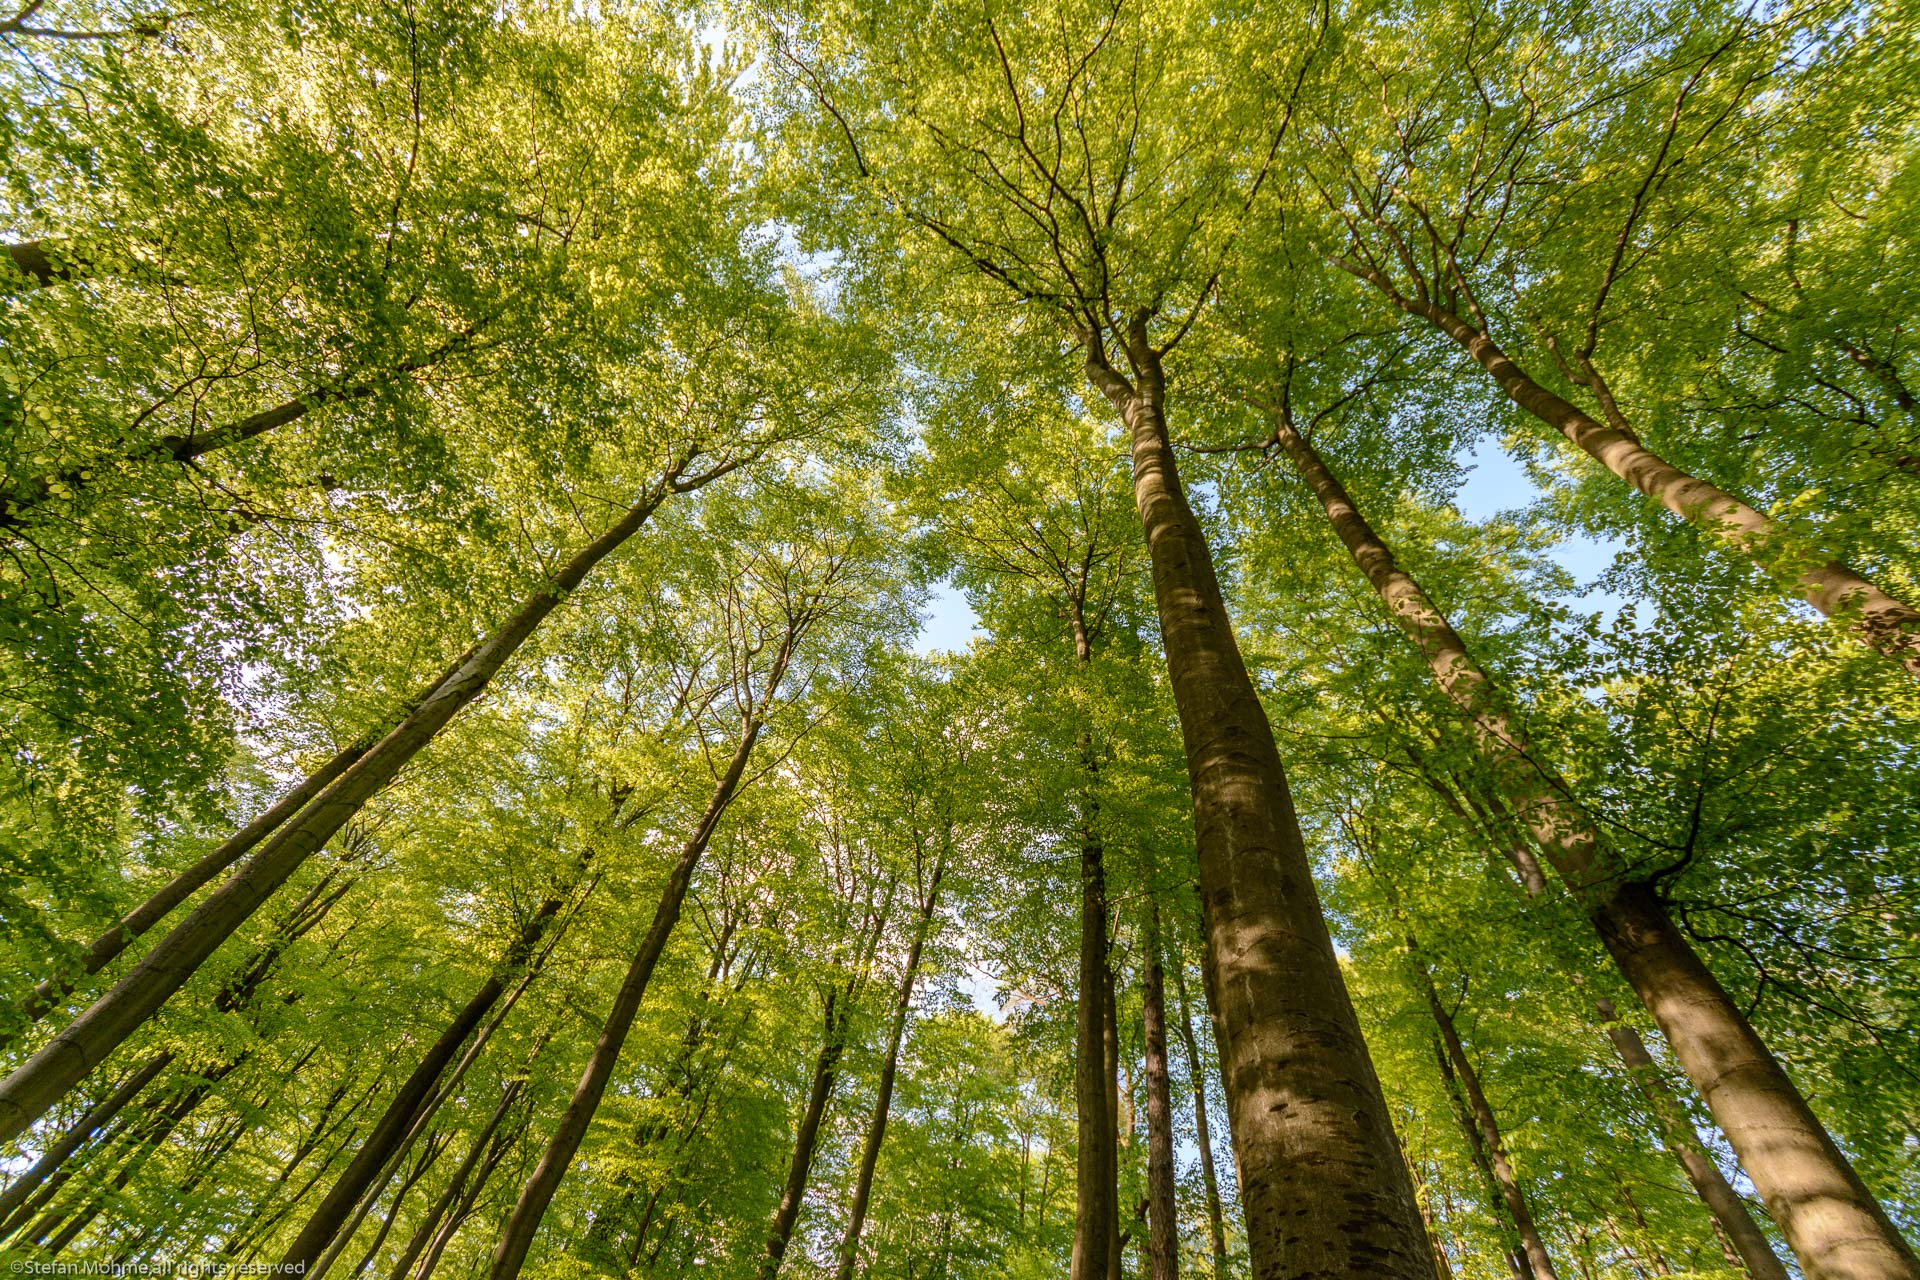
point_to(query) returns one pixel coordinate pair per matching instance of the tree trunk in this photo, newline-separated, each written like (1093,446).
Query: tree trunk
(807,1138)
(1110,1085)
(517,1236)
(397,1121)
(1888,625)
(1096,1211)
(1197,1076)
(45,1078)
(81,1131)
(181,887)
(1834,1224)
(1728,1209)
(883,1099)
(1163,1240)
(1484,1120)
(1321,1180)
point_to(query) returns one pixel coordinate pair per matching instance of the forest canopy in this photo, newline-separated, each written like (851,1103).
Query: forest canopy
(1090,638)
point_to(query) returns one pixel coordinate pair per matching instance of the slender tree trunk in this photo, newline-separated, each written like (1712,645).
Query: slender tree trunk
(1321,1180)
(1096,1211)
(1512,1249)
(807,1138)
(1163,1240)
(81,1131)
(1488,1125)
(181,887)
(1197,1076)
(1658,1259)
(1728,1209)
(430,1221)
(1888,625)
(883,1099)
(46,1077)
(1110,1088)
(517,1236)
(396,1122)
(1834,1224)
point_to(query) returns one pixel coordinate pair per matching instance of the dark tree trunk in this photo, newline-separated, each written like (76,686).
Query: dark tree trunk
(1163,1240)
(78,1134)
(1508,1182)
(397,1121)
(1834,1224)
(1324,1189)
(889,1066)
(1197,1076)
(806,1138)
(181,887)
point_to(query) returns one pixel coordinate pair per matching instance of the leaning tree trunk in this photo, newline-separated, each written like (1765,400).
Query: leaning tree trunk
(1203,1136)
(396,1123)
(1163,1240)
(1505,1179)
(883,1097)
(177,890)
(1728,1209)
(1835,1225)
(78,1134)
(806,1140)
(46,1077)
(1321,1180)
(517,1236)
(1884,623)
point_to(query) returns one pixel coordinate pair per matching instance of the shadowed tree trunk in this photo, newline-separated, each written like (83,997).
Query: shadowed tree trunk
(1163,1240)
(397,1121)
(1196,1076)
(80,1132)
(45,1078)
(1834,1224)
(1321,1179)
(883,1098)
(1505,1179)
(807,1137)
(1729,1210)
(181,887)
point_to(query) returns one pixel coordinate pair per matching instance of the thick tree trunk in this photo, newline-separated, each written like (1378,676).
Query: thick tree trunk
(1321,1180)
(1888,625)
(806,1139)
(889,1066)
(397,1122)
(79,1133)
(1728,1209)
(1834,1224)
(1197,1076)
(1163,1240)
(1508,1182)
(181,887)
(517,1236)
(46,1077)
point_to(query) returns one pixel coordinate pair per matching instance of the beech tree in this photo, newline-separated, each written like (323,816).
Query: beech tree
(1112,638)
